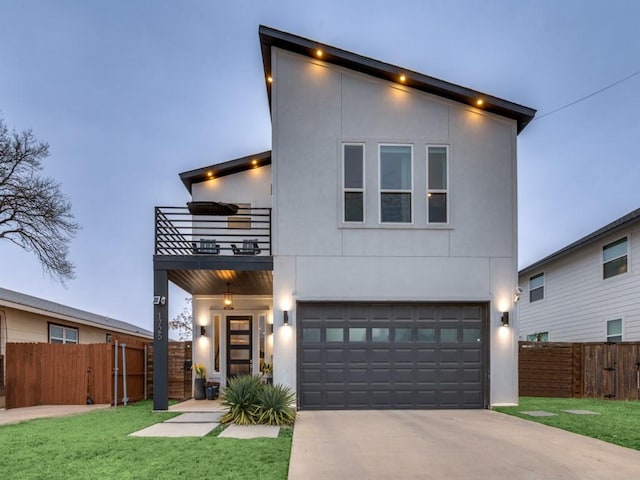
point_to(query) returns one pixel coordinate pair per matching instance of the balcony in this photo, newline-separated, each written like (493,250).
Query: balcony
(245,232)
(201,251)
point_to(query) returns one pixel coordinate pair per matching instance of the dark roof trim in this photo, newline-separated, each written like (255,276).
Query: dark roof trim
(270,37)
(615,226)
(226,168)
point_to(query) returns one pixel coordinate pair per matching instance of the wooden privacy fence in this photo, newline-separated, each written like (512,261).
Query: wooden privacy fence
(57,374)
(580,370)
(180,378)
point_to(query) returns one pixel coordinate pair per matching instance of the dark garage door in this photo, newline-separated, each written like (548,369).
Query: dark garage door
(395,355)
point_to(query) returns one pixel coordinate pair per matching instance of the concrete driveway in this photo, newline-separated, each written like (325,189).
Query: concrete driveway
(447,444)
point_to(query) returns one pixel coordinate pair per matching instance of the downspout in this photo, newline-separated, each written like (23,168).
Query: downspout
(115,376)
(125,399)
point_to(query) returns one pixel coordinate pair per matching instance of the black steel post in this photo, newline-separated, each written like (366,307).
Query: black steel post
(160,340)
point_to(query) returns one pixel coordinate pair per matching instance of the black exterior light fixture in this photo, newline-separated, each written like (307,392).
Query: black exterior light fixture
(203,331)
(505,319)
(228,299)
(285,320)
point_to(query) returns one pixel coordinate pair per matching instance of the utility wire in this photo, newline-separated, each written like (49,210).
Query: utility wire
(588,96)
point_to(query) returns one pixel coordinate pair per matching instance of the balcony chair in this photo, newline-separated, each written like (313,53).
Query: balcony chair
(249,247)
(207,247)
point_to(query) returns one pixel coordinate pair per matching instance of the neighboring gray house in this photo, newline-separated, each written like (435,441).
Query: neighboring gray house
(589,291)
(371,255)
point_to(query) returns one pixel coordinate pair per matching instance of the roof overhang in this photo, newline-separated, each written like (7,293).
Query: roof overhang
(226,168)
(270,38)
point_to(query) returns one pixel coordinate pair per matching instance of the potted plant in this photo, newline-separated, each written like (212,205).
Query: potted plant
(267,372)
(201,377)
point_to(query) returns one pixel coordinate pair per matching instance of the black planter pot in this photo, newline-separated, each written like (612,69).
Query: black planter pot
(198,391)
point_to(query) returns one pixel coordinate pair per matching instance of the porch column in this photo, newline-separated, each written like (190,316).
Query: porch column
(160,340)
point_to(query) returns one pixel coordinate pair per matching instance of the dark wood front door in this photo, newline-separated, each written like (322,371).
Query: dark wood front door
(238,346)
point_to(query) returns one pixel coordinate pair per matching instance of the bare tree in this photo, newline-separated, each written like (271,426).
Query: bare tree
(183,322)
(34,213)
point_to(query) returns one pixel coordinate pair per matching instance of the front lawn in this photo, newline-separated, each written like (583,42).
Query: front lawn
(96,445)
(618,422)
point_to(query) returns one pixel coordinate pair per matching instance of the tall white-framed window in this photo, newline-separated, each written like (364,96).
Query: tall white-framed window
(353,182)
(614,258)
(614,330)
(437,184)
(62,334)
(396,183)
(536,287)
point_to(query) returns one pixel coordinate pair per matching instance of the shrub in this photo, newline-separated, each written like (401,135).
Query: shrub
(274,406)
(241,396)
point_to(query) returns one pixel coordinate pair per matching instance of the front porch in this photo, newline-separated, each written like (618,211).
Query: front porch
(207,256)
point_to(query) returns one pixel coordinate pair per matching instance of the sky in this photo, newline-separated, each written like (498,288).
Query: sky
(128,94)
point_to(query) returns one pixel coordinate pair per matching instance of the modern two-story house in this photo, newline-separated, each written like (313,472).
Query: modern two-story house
(588,291)
(370,256)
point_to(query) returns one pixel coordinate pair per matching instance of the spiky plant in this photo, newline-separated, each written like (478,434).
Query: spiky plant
(274,406)
(241,396)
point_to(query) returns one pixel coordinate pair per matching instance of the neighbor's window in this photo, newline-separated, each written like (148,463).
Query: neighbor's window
(60,334)
(396,183)
(353,182)
(614,330)
(437,184)
(536,288)
(614,258)
(538,337)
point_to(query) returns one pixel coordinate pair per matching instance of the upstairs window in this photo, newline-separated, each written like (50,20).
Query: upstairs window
(538,337)
(614,258)
(60,334)
(536,288)
(353,182)
(614,330)
(437,184)
(242,219)
(396,183)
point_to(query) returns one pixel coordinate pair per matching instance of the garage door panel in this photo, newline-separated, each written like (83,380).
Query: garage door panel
(391,355)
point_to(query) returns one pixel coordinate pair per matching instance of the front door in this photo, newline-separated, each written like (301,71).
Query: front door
(238,346)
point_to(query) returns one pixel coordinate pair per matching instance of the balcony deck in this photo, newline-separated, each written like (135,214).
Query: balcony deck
(202,252)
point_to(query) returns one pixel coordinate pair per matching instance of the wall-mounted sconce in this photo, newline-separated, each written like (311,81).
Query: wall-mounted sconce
(285,321)
(505,319)
(203,331)
(269,328)
(227,300)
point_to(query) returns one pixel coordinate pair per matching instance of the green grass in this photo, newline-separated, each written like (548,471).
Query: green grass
(96,445)
(618,422)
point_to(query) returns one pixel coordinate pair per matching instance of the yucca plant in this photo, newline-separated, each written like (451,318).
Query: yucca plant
(241,396)
(274,406)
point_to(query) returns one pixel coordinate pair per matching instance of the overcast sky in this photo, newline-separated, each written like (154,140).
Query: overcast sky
(130,93)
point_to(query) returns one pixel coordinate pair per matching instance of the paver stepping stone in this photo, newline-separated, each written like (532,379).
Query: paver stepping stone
(540,413)
(580,412)
(250,431)
(167,429)
(196,418)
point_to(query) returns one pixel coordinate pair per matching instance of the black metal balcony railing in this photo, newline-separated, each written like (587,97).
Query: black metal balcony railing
(246,232)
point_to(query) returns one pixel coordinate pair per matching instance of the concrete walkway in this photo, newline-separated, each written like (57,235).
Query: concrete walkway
(448,444)
(17,415)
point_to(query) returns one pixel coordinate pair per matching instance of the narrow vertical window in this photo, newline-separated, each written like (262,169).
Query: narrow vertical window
(614,330)
(353,183)
(536,288)
(396,183)
(437,184)
(614,258)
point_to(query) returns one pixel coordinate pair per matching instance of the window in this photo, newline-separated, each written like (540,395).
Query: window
(396,183)
(614,258)
(437,184)
(536,288)
(353,182)
(242,219)
(60,334)
(614,330)
(538,337)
